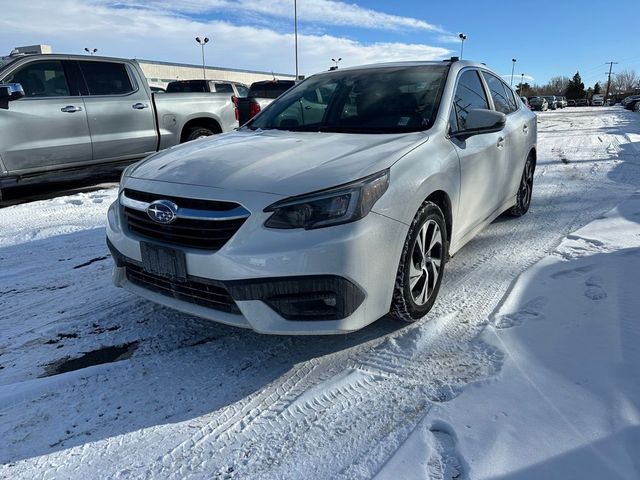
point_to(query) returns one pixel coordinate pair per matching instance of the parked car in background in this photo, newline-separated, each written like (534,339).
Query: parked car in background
(208,86)
(633,105)
(70,114)
(630,98)
(597,100)
(526,102)
(551,101)
(323,219)
(561,101)
(538,103)
(260,95)
(571,103)
(582,102)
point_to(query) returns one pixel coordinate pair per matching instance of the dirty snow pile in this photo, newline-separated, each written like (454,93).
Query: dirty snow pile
(566,403)
(50,218)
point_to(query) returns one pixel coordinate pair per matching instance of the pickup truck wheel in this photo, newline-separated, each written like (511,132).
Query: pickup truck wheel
(198,132)
(523,199)
(421,265)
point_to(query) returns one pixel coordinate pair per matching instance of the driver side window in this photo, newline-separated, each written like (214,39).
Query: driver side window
(41,79)
(469,95)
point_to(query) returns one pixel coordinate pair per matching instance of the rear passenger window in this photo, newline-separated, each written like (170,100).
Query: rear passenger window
(501,94)
(242,90)
(469,95)
(41,79)
(106,78)
(224,88)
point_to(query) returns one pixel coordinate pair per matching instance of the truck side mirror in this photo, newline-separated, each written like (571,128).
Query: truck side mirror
(10,92)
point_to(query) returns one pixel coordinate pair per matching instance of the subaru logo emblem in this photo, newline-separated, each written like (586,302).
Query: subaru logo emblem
(162,211)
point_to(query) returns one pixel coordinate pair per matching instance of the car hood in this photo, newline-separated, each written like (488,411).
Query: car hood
(279,162)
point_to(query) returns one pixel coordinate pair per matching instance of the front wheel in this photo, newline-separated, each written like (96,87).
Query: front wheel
(421,265)
(525,191)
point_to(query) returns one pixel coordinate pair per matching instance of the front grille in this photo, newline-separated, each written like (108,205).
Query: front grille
(194,203)
(186,232)
(211,294)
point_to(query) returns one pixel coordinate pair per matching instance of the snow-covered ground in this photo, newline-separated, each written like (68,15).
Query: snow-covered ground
(526,368)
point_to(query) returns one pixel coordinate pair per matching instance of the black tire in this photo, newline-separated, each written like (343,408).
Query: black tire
(403,305)
(525,191)
(198,132)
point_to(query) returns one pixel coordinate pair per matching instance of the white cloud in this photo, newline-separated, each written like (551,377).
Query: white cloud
(135,32)
(325,12)
(448,38)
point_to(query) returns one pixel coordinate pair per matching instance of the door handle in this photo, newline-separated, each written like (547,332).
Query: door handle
(71,109)
(525,129)
(140,106)
(500,143)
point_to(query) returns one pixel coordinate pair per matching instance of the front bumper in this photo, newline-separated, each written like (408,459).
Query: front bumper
(343,275)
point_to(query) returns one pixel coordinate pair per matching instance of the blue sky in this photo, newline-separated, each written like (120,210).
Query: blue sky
(554,38)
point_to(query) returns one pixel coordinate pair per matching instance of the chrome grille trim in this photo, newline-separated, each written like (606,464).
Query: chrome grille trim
(237,213)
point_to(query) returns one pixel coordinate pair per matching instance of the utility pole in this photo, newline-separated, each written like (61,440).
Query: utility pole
(513,67)
(606,95)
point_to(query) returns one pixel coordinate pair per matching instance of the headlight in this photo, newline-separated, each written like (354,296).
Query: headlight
(343,204)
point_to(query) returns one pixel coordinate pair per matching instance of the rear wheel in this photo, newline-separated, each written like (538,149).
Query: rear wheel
(198,132)
(421,265)
(525,191)
(636,107)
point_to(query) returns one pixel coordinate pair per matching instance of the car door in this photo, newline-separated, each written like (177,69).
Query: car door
(119,111)
(504,101)
(481,156)
(47,128)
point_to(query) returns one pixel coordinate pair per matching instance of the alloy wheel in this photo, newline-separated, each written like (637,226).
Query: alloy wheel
(426,262)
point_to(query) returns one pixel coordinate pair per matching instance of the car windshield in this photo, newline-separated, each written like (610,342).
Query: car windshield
(376,100)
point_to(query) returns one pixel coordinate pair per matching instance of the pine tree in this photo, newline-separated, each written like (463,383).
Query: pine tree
(575,88)
(596,88)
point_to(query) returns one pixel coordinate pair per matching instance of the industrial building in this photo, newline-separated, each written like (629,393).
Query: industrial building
(161,73)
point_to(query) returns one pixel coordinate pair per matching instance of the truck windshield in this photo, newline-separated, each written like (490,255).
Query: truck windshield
(393,99)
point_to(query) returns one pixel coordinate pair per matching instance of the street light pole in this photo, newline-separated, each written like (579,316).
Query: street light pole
(336,60)
(90,51)
(521,84)
(295,32)
(203,42)
(513,67)
(462,38)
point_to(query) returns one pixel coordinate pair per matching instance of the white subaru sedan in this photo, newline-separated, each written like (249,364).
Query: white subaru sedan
(338,204)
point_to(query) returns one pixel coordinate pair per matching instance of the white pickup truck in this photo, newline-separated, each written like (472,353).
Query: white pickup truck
(67,115)
(597,100)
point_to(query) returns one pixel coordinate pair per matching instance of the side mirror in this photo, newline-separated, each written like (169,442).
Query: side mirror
(481,121)
(10,92)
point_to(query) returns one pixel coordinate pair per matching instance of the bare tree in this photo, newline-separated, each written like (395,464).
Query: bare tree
(625,81)
(557,85)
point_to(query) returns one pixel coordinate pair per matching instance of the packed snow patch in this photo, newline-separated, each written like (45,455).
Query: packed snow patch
(566,403)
